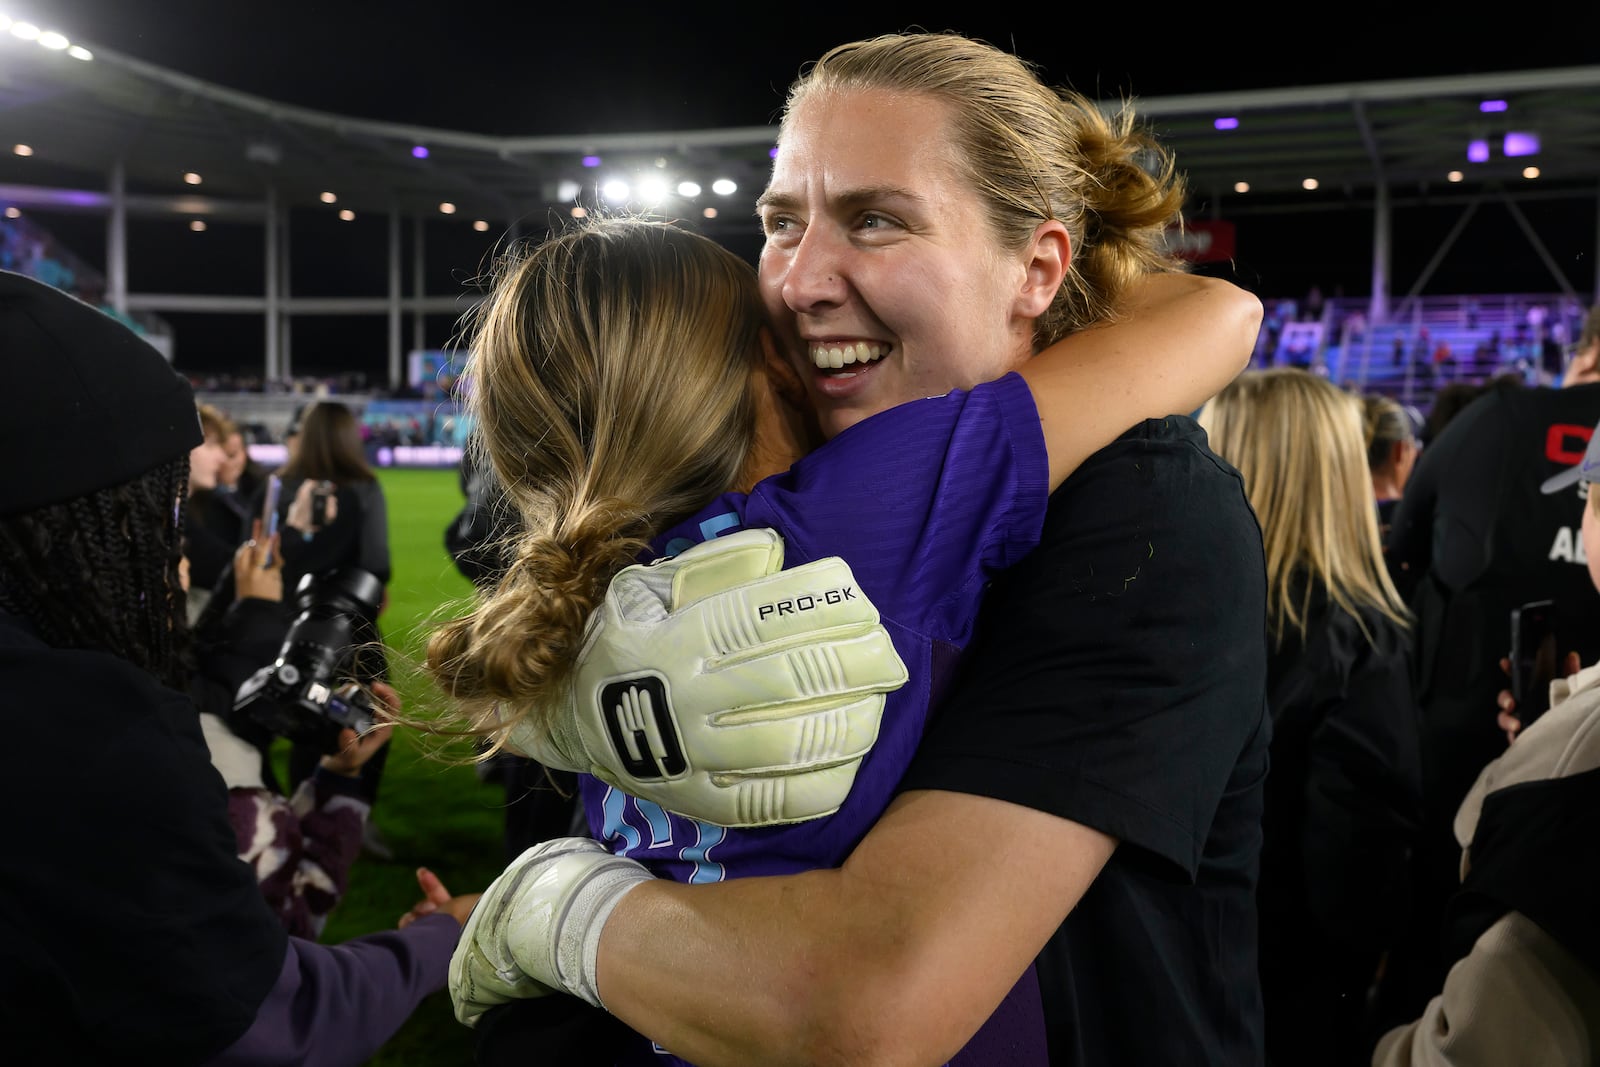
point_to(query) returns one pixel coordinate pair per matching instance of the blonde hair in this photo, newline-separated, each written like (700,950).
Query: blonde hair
(610,381)
(1031,153)
(1297,441)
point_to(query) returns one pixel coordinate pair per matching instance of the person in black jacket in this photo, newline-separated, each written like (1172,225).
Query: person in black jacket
(333,515)
(1473,539)
(130,931)
(1343,801)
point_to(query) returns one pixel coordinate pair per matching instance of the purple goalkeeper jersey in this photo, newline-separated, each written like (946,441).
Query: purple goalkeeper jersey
(925,501)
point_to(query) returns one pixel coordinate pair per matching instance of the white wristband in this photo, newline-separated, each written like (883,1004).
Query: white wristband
(579,934)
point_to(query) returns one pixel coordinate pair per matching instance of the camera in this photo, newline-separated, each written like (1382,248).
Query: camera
(296,696)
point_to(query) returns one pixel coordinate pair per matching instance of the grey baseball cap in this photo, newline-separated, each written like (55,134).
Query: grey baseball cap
(1587,470)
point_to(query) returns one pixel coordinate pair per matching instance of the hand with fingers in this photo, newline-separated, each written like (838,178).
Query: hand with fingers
(258,567)
(1506,718)
(356,749)
(725,688)
(436,898)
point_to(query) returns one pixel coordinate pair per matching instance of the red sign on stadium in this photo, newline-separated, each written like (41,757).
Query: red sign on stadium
(1202,241)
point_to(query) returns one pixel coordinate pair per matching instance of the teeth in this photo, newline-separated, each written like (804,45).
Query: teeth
(836,356)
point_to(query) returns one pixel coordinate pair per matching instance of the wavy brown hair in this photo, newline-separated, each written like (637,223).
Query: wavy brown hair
(609,378)
(330,446)
(1032,153)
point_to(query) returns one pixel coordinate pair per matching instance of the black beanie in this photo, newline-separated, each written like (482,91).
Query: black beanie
(93,405)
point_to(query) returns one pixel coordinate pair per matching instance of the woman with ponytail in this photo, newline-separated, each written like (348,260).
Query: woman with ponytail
(966,288)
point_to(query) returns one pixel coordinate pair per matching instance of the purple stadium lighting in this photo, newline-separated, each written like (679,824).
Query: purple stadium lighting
(1492,105)
(1477,151)
(419,151)
(1521,144)
(1226,123)
(591,161)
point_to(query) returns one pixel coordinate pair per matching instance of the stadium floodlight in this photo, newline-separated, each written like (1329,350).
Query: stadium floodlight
(1241,187)
(1309,184)
(615,190)
(329,198)
(689,190)
(5,23)
(22,150)
(480,225)
(13,212)
(447,208)
(1520,143)
(1530,172)
(24,31)
(710,212)
(1454,176)
(419,151)
(724,187)
(1227,122)
(346,215)
(197,225)
(77,51)
(579,211)
(191,178)
(567,189)
(652,190)
(1478,151)
(53,41)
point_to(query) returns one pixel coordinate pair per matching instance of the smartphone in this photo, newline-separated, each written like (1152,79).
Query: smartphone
(269,514)
(1534,659)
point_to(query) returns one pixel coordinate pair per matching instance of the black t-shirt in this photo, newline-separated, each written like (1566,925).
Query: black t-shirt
(1117,678)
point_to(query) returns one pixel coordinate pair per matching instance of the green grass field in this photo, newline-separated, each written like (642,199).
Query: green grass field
(433,813)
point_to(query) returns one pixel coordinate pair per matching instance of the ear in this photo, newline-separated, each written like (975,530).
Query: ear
(785,380)
(1397,454)
(1045,263)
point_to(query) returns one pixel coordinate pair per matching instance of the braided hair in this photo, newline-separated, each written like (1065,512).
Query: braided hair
(100,571)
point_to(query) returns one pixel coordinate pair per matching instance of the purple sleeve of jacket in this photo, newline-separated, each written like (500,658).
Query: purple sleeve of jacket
(335,1005)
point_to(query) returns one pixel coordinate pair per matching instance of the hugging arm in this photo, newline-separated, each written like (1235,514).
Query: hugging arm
(1181,339)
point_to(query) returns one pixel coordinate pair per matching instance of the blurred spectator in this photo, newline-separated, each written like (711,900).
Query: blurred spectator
(212,529)
(328,469)
(1390,432)
(1344,794)
(1475,539)
(1521,937)
(133,933)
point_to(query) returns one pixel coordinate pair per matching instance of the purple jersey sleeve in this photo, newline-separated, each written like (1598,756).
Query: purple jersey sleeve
(925,501)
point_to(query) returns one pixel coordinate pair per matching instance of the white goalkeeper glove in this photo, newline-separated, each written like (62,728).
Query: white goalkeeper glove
(724,688)
(536,930)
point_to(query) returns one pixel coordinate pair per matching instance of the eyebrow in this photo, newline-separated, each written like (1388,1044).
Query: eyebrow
(850,198)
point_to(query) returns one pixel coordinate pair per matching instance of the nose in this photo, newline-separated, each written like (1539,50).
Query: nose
(814,272)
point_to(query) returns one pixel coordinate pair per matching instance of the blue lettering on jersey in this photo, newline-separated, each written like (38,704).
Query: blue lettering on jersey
(655,816)
(615,827)
(707,837)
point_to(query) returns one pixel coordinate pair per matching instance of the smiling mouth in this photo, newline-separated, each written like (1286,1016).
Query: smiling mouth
(851,357)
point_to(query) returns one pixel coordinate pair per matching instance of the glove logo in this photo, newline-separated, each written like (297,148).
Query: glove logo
(639,721)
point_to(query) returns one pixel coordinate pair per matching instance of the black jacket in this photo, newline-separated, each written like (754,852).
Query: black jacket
(1342,812)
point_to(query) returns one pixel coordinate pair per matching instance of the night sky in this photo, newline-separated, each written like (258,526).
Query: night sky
(541,68)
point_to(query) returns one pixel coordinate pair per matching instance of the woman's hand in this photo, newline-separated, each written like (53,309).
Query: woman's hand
(1506,717)
(356,749)
(258,567)
(435,898)
(300,516)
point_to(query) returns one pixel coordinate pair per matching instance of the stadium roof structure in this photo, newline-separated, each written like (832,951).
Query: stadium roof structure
(117,134)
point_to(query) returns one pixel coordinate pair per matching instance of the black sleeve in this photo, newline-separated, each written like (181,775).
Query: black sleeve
(1119,671)
(1363,795)
(1476,442)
